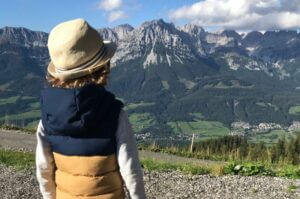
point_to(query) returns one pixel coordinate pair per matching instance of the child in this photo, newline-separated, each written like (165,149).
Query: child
(85,145)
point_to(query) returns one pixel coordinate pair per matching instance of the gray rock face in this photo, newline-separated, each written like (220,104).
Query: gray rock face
(123,30)
(157,42)
(198,37)
(154,42)
(108,34)
(23,36)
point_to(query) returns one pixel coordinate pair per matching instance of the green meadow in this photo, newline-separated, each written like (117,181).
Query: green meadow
(294,110)
(203,129)
(270,137)
(27,115)
(132,106)
(9,100)
(140,121)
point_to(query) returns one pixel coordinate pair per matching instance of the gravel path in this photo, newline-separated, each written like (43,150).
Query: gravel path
(17,140)
(23,185)
(176,185)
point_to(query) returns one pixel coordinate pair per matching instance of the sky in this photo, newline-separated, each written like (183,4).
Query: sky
(240,15)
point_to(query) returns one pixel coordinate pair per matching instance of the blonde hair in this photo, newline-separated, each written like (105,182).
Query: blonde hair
(99,77)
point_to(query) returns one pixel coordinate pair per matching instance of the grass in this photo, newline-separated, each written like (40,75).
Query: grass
(33,114)
(13,99)
(161,166)
(26,160)
(141,121)
(35,105)
(294,110)
(204,129)
(9,100)
(17,128)
(270,137)
(263,169)
(136,105)
(180,151)
(19,160)
(32,125)
(289,171)
(165,84)
(254,190)
(28,97)
(197,115)
(219,169)
(291,188)
(24,116)
(241,167)
(222,85)
(266,105)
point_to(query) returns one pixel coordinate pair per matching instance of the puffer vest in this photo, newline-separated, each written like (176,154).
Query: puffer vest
(80,125)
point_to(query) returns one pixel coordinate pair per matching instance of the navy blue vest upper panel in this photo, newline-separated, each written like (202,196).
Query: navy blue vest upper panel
(89,113)
(67,145)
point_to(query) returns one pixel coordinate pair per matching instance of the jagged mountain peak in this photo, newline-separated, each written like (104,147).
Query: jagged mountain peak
(127,27)
(158,42)
(10,30)
(108,34)
(154,42)
(154,22)
(23,36)
(159,24)
(193,29)
(231,33)
(123,30)
(156,31)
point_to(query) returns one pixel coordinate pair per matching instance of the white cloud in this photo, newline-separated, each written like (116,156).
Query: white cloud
(109,5)
(116,15)
(113,9)
(242,14)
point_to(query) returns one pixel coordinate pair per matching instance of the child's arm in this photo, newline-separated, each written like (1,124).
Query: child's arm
(128,159)
(45,166)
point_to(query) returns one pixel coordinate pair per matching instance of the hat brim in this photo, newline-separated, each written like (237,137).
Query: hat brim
(110,49)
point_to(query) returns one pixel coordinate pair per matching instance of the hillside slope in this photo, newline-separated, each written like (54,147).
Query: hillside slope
(173,80)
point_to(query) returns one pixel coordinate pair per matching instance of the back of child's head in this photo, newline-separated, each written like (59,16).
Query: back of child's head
(79,55)
(99,78)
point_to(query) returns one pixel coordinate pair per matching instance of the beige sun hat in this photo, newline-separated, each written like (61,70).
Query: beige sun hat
(76,49)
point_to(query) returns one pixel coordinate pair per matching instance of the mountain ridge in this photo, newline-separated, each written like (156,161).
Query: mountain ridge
(172,74)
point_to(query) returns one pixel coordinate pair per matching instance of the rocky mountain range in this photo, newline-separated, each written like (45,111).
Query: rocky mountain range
(172,72)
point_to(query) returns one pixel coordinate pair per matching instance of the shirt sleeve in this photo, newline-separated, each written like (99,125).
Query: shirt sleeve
(128,160)
(45,166)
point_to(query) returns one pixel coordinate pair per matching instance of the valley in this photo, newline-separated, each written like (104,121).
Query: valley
(174,81)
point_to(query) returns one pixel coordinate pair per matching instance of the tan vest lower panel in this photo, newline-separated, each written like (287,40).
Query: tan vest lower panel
(86,165)
(117,194)
(88,176)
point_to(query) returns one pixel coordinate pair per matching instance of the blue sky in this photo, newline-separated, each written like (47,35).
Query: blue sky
(44,15)
(240,15)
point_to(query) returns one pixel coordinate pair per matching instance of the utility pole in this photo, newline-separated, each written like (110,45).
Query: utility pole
(192,143)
